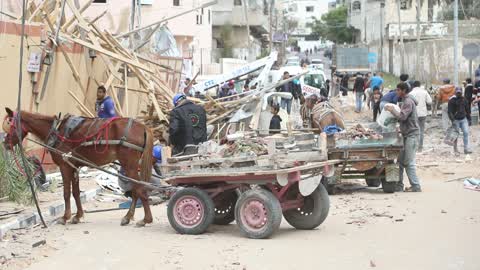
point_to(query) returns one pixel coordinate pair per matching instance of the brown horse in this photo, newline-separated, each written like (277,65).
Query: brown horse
(106,130)
(324,114)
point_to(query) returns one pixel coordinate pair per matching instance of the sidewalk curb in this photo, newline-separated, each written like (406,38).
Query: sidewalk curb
(50,212)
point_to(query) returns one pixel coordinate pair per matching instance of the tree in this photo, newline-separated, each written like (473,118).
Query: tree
(333,26)
(226,39)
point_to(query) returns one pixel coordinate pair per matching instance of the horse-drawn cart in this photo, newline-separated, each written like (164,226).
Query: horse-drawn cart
(374,160)
(252,190)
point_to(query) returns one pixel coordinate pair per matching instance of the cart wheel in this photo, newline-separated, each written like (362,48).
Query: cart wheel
(329,187)
(225,207)
(313,212)
(258,213)
(190,211)
(373,182)
(388,187)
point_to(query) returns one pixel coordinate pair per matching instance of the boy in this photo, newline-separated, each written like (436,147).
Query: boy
(276,120)
(374,101)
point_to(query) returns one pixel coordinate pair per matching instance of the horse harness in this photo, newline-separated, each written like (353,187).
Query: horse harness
(73,122)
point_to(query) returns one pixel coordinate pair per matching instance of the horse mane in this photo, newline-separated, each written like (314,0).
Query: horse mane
(37,116)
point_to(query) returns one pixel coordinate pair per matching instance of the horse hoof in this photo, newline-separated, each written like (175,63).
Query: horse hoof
(141,223)
(62,221)
(125,221)
(75,220)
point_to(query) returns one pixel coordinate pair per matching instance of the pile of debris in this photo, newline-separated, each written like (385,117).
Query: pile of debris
(124,66)
(359,132)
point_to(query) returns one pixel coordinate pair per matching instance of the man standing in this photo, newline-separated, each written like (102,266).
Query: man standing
(409,129)
(445,92)
(477,74)
(359,89)
(188,124)
(469,97)
(287,88)
(389,98)
(377,80)
(344,84)
(423,98)
(104,106)
(457,112)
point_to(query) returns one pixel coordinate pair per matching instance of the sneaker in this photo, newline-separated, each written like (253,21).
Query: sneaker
(468,152)
(399,189)
(413,189)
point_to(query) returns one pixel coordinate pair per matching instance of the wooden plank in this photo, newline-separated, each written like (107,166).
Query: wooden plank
(211,121)
(215,103)
(81,21)
(39,8)
(84,108)
(132,89)
(71,20)
(108,53)
(260,171)
(161,115)
(125,81)
(75,73)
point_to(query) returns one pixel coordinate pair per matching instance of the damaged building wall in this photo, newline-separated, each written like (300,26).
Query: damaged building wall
(61,81)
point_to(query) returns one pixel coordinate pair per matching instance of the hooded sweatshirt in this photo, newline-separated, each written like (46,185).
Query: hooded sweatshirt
(423,99)
(408,117)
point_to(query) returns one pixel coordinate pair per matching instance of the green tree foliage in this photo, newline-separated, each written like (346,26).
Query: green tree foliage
(333,26)
(226,39)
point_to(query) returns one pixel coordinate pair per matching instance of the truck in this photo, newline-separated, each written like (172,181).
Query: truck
(350,59)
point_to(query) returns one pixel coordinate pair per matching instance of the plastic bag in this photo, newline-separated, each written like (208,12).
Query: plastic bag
(386,118)
(451,136)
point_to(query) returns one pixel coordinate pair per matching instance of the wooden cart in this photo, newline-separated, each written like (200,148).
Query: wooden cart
(253,191)
(372,160)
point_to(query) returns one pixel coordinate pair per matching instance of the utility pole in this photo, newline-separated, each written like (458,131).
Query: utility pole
(245,13)
(402,48)
(270,26)
(382,8)
(417,51)
(455,42)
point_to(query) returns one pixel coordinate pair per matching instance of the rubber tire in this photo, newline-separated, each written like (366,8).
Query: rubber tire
(329,187)
(227,218)
(208,207)
(320,211)
(373,182)
(274,213)
(389,187)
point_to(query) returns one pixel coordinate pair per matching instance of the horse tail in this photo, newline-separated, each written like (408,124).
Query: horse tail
(146,162)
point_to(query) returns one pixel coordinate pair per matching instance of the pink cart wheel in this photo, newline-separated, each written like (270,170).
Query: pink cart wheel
(258,213)
(190,211)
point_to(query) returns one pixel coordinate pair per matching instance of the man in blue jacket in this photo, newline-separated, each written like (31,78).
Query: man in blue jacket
(104,106)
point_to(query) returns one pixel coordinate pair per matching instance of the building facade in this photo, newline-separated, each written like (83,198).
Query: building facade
(192,31)
(242,26)
(304,12)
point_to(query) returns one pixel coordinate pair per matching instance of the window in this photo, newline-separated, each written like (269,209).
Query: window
(100,1)
(199,19)
(209,18)
(356,6)
(309,9)
(176,3)
(405,4)
(237,2)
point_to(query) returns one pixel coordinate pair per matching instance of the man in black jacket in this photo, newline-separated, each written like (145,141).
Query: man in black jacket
(469,97)
(188,124)
(359,89)
(457,112)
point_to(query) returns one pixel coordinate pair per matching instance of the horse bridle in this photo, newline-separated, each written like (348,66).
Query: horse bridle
(13,127)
